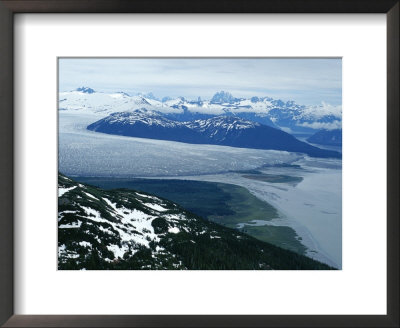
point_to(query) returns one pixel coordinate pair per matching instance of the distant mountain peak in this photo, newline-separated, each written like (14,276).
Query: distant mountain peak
(140,100)
(85,90)
(150,95)
(124,93)
(166,98)
(223,97)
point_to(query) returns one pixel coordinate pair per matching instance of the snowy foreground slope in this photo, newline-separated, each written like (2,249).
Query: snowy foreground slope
(125,229)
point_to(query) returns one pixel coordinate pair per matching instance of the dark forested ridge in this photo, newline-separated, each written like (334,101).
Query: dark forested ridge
(130,230)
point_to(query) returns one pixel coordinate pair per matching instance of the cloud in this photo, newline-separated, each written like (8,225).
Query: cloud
(319,125)
(324,109)
(309,79)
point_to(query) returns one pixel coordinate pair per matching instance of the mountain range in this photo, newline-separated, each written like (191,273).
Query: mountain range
(218,130)
(132,230)
(285,115)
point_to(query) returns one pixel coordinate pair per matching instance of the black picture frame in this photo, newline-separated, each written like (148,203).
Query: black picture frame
(10,7)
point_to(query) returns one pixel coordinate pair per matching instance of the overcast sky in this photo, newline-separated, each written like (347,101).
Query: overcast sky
(307,81)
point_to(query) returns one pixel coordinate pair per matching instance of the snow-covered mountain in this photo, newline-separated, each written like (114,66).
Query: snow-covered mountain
(131,230)
(218,130)
(288,116)
(87,100)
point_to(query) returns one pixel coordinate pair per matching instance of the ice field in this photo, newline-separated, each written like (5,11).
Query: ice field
(88,153)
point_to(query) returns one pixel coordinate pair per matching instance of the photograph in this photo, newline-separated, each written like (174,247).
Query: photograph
(199,163)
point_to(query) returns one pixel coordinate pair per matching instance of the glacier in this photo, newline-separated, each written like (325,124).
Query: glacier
(313,207)
(87,153)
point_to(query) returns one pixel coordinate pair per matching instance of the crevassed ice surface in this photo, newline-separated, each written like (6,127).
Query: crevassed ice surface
(87,153)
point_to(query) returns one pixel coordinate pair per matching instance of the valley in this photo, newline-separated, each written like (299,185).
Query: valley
(287,197)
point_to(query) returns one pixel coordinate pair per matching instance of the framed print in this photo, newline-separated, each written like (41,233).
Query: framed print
(204,152)
(195,164)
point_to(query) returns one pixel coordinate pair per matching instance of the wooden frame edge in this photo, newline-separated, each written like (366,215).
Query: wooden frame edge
(205,6)
(393,147)
(6,164)
(198,321)
(7,10)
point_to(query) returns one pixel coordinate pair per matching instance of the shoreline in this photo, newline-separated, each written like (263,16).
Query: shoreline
(273,195)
